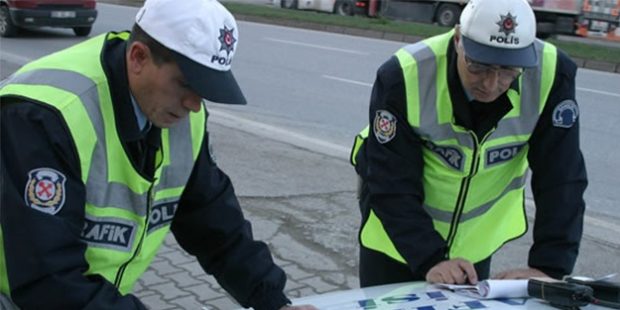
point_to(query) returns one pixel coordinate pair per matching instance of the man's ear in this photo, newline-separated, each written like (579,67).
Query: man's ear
(138,56)
(457,34)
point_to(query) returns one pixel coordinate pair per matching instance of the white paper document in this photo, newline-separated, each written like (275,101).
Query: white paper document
(490,289)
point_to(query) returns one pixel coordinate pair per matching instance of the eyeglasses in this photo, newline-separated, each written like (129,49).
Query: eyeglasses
(504,73)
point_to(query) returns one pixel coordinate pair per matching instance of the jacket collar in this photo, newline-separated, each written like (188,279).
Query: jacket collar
(115,67)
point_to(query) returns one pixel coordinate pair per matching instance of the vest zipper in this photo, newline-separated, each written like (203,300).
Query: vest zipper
(121,270)
(460,202)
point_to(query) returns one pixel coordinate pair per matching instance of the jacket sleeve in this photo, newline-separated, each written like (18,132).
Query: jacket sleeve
(558,178)
(393,173)
(44,255)
(209,224)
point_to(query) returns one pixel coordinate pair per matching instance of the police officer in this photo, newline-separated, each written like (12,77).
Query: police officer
(455,122)
(105,149)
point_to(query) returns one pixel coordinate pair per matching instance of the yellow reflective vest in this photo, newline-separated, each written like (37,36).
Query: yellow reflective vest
(127,216)
(474,188)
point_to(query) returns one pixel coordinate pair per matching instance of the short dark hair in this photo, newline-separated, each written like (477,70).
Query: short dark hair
(161,54)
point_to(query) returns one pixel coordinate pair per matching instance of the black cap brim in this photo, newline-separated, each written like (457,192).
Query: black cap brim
(213,85)
(521,57)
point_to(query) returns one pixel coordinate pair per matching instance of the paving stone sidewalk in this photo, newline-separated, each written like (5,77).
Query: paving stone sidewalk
(175,280)
(309,223)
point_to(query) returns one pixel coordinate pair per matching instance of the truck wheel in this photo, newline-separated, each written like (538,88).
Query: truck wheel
(7,28)
(343,7)
(448,14)
(82,31)
(288,4)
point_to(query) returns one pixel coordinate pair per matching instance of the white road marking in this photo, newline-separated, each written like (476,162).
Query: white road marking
(610,74)
(329,48)
(15,58)
(347,80)
(598,92)
(601,92)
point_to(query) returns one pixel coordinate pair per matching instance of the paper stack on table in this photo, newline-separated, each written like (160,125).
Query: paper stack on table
(490,289)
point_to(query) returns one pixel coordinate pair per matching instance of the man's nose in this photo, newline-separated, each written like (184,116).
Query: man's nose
(192,102)
(491,79)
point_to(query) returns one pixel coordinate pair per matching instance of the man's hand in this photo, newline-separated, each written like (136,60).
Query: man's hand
(524,273)
(302,307)
(454,271)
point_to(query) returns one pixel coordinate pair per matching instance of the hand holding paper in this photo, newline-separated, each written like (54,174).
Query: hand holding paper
(491,289)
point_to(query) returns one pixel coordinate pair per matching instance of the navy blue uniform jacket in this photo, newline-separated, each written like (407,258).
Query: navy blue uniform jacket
(392,172)
(44,254)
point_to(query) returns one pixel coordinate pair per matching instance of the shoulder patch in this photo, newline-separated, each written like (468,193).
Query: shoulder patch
(565,114)
(45,190)
(384,126)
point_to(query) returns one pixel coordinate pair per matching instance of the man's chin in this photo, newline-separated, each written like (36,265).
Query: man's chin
(486,98)
(163,124)
(169,121)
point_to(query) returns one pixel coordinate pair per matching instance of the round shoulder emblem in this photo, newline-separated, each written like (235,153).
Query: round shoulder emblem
(45,190)
(565,114)
(384,126)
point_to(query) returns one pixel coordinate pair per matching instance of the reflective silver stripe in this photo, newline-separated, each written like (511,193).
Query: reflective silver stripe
(180,141)
(446,216)
(66,80)
(166,200)
(530,101)
(97,188)
(100,192)
(445,132)
(4,82)
(522,125)
(430,129)
(426,62)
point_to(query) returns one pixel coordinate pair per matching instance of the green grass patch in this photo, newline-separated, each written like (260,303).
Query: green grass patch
(586,51)
(574,49)
(378,24)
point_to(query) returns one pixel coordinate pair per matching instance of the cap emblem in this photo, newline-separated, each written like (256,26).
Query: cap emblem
(227,40)
(507,24)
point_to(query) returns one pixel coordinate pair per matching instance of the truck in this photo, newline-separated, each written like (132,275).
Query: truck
(552,16)
(600,18)
(340,7)
(581,17)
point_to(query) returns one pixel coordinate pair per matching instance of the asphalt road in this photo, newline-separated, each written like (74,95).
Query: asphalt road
(308,96)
